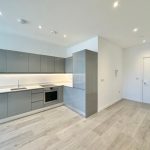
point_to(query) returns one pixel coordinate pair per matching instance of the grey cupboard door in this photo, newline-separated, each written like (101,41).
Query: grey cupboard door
(79,69)
(50,64)
(3,106)
(2,61)
(69,65)
(34,63)
(19,102)
(17,61)
(44,61)
(59,65)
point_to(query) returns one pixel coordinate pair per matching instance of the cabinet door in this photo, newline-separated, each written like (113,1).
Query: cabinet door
(60,94)
(17,62)
(19,102)
(79,59)
(2,61)
(37,105)
(44,61)
(50,64)
(59,65)
(75,98)
(69,65)
(3,106)
(34,63)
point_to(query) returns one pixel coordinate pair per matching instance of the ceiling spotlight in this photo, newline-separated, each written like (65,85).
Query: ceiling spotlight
(144,41)
(1,14)
(22,21)
(65,36)
(135,30)
(116,4)
(40,27)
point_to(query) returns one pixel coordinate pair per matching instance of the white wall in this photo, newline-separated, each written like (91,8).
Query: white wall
(133,71)
(91,44)
(109,84)
(25,44)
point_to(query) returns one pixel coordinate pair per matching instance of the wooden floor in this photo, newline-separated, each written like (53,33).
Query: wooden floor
(123,126)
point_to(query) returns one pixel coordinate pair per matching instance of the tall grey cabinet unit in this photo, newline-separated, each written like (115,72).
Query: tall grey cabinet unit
(84,82)
(2,61)
(34,63)
(69,65)
(59,65)
(17,61)
(19,102)
(3,106)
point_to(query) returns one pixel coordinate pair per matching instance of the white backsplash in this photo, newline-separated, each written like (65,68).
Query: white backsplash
(29,79)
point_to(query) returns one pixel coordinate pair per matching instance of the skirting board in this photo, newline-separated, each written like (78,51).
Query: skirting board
(102,108)
(29,113)
(76,110)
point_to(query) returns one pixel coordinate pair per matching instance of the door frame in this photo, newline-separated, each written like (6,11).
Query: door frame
(143,79)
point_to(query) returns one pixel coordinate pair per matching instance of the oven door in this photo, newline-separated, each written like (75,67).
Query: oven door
(51,96)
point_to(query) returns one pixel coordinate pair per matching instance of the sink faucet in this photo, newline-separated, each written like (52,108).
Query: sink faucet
(18,84)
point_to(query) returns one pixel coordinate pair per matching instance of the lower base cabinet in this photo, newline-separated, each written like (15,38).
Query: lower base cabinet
(19,102)
(3,106)
(37,105)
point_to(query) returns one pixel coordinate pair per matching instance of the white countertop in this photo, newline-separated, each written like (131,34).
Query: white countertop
(31,87)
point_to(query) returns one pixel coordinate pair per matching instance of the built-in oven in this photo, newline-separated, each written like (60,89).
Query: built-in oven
(50,94)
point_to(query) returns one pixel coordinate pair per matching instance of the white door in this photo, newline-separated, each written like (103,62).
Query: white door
(146,81)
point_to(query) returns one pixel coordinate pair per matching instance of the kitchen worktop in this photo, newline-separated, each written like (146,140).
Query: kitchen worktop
(33,87)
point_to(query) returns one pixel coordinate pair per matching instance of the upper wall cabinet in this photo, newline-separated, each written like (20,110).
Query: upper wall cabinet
(34,63)
(69,65)
(17,61)
(51,64)
(47,64)
(59,65)
(3,61)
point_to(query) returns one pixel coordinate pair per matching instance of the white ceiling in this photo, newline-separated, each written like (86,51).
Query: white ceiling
(79,19)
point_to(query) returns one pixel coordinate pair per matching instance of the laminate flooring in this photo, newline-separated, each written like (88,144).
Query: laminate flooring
(123,126)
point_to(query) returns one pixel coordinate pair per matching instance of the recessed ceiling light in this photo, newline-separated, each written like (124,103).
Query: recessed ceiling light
(116,4)
(135,30)
(22,21)
(1,14)
(65,36)
(144,41)
(40,27)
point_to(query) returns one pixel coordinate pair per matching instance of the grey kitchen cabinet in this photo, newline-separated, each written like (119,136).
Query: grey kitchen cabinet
(3,106)
(75,99)
(3,61)
(50,64)
(83,96)
(37,95)
(44,65)
(59,65)
(69,65)
(60,93)
(37,105)
(19,102)
(47,64)
(34,63)
(17,61)
(79,69)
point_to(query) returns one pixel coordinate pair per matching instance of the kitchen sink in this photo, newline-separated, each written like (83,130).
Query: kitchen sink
(16,89)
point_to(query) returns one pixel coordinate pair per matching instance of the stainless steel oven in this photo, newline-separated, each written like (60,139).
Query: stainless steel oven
(50,94)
